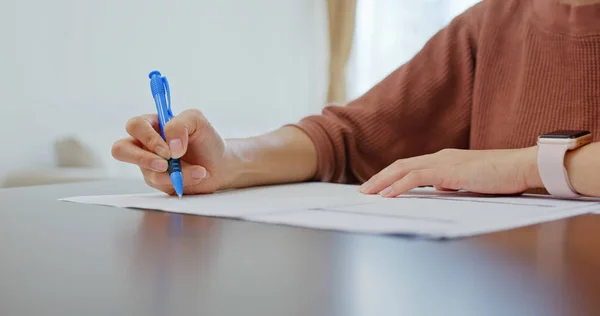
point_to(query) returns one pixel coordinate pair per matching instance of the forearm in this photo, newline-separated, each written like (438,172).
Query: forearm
(583,169)
(283,156)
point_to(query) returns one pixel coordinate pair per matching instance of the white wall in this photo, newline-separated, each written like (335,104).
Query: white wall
(80,66)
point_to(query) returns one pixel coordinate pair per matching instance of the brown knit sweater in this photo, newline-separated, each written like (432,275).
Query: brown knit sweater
(496,77)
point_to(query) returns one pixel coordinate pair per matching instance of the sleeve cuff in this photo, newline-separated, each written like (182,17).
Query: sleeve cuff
(325,151)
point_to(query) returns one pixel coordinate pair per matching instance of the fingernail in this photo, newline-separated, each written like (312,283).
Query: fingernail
(385,191)
(176,147)
(159,165)
(199,173)
(163,152)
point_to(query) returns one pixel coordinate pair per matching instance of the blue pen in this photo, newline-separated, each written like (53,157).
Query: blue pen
(162,97)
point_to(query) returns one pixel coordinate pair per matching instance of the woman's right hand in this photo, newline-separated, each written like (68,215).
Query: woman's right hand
(206,165)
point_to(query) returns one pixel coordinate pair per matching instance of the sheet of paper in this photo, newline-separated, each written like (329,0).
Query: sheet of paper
(237,203)
(421,212)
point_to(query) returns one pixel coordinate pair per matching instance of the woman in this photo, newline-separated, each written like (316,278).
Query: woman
(464,114)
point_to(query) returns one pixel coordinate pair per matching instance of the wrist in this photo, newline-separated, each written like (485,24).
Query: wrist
(235,163)
(282,156)
(247,164)
(533,180)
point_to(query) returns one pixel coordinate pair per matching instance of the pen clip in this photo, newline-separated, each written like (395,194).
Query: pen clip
(168,90)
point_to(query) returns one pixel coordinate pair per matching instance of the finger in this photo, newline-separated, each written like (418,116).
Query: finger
(413,180)
(384,178)
(178,129)
(153,120)
(145,129)
(127,150)
(440,188)
(395,172)
(191,174)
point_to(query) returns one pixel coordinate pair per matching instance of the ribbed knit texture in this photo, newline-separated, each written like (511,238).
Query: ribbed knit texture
(496,77)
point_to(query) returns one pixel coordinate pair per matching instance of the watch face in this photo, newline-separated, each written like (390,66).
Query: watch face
(566,134)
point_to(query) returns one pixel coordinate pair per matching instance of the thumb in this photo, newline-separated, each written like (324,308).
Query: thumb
(179,129)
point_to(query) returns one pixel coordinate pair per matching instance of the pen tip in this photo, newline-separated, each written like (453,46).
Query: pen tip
(179,195)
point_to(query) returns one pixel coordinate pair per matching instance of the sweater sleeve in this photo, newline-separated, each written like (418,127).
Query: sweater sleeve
(422,107)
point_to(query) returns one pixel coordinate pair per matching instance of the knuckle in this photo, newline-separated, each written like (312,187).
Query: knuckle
(198,121)
(194,113)
(133,124)
(139,160)
(202,137)
(152,141)
(399,172)
(174,126)
(187,119)
(442,151)
(398,163)
(117,149)
(147,177)
(415,176)
(151,179)
(148,181)
(448,151)
(398,168)
(147,174)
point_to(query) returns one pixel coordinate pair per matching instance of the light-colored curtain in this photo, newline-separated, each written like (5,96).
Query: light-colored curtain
(341,16)
(388,33)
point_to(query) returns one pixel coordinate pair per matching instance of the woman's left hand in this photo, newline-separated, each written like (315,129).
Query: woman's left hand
(509,171)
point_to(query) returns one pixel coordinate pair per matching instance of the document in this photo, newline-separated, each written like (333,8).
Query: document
(422,212)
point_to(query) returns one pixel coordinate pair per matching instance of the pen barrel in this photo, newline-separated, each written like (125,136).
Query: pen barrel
(162,110)
(174,165)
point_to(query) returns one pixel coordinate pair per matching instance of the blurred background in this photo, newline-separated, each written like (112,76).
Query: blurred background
(74,71)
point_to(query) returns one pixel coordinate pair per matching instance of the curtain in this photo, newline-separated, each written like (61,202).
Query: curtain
(388,33)
(341,16)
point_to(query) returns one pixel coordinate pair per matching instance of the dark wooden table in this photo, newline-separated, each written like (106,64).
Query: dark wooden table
(59,258)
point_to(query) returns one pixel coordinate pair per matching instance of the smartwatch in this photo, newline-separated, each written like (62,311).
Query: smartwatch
(552,148)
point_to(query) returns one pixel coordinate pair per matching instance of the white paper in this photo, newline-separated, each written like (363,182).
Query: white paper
(421,212)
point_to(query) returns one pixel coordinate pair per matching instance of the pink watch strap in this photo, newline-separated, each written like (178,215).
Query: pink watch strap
(552,170)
